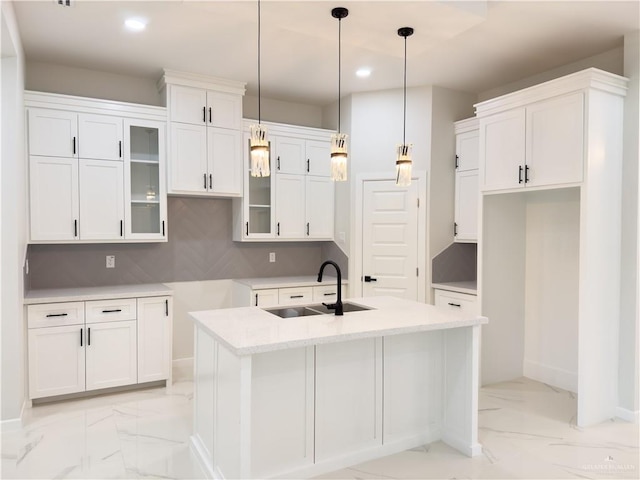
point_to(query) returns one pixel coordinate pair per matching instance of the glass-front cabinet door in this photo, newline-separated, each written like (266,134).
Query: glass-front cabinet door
(259,200)
(145,192)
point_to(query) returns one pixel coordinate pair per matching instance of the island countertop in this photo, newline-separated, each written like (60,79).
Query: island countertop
(250,330)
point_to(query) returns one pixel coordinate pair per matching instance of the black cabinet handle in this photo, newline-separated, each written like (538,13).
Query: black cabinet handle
(455,229)
(256,299)
(368,279)
(278,162)
(89,336)
(204,176)
(210,182)
(457,158)
(81,337)
(307,165)
(122,228)
(307,229)
(209,114)
(74,145)
(120,148)
(247,228)
(163,228)
(57,315)
(519,173)
(75,228)
(296,296)
(115,310)
(329,294)
(454,304)
(526,174)
(166,308)
(278,229)
(204,114)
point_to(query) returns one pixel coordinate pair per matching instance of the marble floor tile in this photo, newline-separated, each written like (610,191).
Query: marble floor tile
(527,430)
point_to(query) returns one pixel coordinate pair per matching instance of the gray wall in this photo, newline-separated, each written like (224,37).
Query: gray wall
(199,248)
(456,263)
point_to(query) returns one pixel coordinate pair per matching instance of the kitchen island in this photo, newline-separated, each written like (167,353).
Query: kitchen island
(296,397)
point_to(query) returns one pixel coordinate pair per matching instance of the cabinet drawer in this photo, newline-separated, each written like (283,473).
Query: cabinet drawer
(55,314)
(456,301)
(111,310)
(295,295)
(326,293)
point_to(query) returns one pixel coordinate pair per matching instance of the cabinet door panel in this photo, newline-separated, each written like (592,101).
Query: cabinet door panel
(290,155)
(52,133)
(555,141)
(466,206)
(319,207)
(56,361)
(188,105)
(224,110)
(225,161)
(53,193)
(188,158)
(100,137)
(318,158)
(101,200)
(290,206)
(502,144)
(468,150)
(154,338)
(264,298)
(111,354)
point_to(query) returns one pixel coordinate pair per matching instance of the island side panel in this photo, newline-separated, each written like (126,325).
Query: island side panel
(413,384)
(282,412)
(461,373)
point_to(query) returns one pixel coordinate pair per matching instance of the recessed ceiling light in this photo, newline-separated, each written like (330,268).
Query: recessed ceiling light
(135,24)
(363,72)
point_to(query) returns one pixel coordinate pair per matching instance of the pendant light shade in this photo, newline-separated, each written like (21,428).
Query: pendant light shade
(258,141)
(339,140)
(403,150)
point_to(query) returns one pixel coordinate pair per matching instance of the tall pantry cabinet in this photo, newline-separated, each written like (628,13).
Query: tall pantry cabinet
(549,268)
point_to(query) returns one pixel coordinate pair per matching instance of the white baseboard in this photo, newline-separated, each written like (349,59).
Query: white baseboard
(628,415)
(553,376)
(182,369)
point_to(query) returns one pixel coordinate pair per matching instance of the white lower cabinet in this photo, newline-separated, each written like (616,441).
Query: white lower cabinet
(295,295)
(463,302)
(83,346)
(111,354)
(303,294)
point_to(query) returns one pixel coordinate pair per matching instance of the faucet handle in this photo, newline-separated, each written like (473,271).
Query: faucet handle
(330,306)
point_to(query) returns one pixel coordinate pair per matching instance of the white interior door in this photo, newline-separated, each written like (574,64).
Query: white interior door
(390,239)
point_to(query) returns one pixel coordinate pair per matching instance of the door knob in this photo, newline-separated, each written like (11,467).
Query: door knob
(367,279)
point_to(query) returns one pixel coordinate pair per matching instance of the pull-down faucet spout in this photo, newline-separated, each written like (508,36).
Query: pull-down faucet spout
(338,305)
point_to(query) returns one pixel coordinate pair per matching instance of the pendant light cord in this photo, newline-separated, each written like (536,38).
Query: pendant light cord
(259,92)
(339,67)
(404,113)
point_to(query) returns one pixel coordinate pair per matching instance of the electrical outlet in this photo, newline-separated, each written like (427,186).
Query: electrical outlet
(111,261)
(272,257)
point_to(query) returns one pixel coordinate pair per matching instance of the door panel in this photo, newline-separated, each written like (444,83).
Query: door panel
(290,207)
(390,239)
(101,200)
(100,137)
(290,155)
(189,158)
(225,161)
(53,133)
(111,354)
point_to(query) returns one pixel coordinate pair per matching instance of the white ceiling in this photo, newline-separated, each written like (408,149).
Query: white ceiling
(469,46)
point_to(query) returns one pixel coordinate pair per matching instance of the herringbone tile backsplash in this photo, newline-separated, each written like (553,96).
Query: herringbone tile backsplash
(199,248)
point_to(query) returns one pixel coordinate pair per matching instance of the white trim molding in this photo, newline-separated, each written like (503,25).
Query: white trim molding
(628,415)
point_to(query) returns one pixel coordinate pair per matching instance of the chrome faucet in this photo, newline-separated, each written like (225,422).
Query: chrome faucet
(338,305)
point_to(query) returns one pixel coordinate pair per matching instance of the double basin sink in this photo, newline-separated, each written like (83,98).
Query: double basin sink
(310,310)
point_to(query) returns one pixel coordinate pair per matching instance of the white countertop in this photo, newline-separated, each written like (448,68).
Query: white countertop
(54,295)
(250,330)
(469,286)
(284,282)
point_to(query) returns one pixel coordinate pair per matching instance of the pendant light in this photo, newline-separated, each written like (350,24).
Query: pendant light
(403,159)
(339,140)
(258,142)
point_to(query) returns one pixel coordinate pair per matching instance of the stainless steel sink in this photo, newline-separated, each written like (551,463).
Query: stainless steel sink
(310,310)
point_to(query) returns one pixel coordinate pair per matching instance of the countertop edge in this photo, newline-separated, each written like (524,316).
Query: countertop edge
(35,297)
(460,287)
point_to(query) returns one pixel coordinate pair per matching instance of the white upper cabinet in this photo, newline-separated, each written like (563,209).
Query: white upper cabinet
(103,178)
(205,117)
(53,198)
(465,228)
(319,195)
(53,133)
(290,157)
(555,141)
(502,147)
(318,158)
(290,206)
(100,137)
(538,145)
